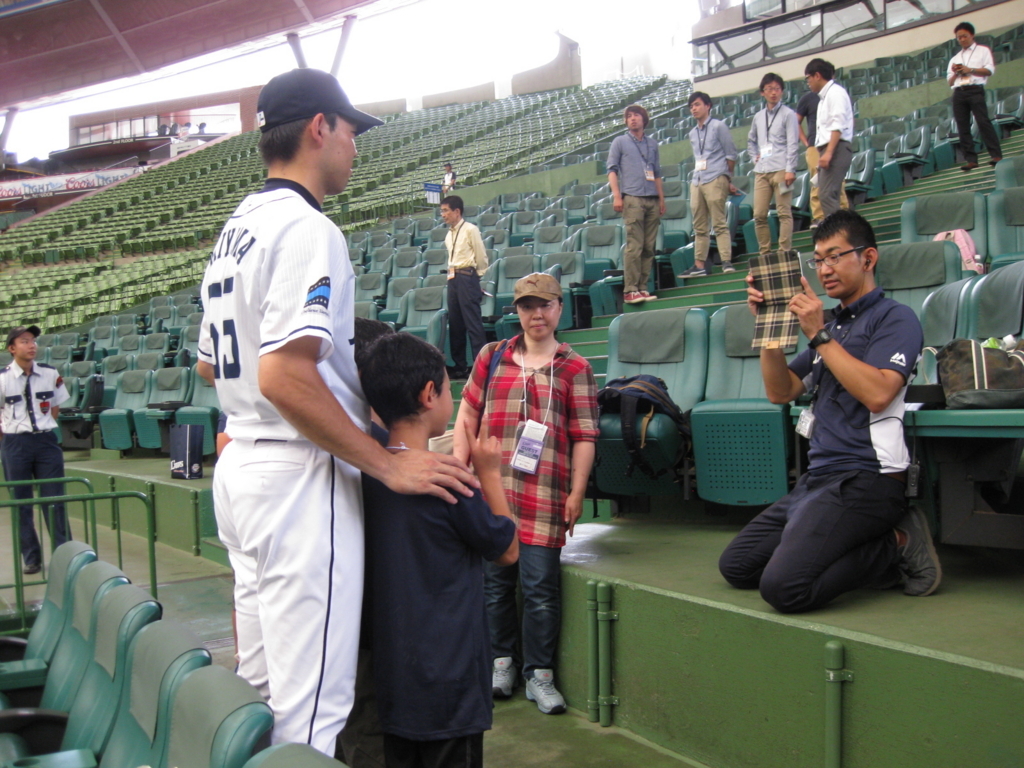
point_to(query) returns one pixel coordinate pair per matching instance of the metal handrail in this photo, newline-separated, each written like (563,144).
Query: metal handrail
(87,510)
(14,504)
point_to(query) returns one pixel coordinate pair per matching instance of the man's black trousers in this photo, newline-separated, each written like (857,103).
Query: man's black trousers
(968,100)
(464,297)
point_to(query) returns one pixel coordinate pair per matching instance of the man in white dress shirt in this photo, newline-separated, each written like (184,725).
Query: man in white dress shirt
(967,74)
(834,134)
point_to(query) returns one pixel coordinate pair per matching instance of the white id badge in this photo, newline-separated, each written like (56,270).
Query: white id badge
(700,164)
(528,450)
(766,151)
(805,424)
(649,174)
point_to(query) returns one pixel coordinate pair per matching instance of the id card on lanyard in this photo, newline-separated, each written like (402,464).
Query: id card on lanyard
(530,445)
(648,168)
(700,162)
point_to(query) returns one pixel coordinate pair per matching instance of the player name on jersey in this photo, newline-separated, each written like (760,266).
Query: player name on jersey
(233,242)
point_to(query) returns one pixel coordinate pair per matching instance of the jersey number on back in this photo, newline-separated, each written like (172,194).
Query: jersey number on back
(226,367)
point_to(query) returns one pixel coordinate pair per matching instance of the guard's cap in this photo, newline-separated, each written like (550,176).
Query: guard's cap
(304,93)
(16,332)
(539,284)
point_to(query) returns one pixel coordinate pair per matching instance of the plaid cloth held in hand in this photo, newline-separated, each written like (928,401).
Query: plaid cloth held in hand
(777,276)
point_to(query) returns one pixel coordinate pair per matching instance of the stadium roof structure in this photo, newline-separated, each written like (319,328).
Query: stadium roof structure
(48,47)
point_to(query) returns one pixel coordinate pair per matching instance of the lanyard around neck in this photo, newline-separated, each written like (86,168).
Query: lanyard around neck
(551,383)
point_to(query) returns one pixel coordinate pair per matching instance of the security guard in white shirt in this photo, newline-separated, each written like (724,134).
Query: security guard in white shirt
(30,394)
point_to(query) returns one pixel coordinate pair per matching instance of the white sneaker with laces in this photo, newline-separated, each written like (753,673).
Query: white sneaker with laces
(503,678)
(540,687)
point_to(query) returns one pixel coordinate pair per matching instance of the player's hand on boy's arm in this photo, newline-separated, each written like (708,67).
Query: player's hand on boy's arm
(435,474)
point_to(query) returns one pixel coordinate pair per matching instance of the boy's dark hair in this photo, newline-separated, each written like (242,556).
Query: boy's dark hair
(280,144)
(964,25)
(367,332)
(844,222)
(771,77)
(396,369)
(636,109)
(454,203)
(699,95)
(820,67)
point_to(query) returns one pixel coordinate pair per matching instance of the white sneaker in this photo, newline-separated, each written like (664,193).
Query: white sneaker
(541,689)
(503,678)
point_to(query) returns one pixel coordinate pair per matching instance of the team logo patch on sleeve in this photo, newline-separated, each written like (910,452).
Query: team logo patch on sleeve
(319,293)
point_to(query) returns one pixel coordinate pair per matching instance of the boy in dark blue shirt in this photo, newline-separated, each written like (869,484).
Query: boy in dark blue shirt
(431,650)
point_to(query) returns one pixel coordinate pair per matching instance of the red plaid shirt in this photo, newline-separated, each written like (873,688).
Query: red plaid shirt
(537,501)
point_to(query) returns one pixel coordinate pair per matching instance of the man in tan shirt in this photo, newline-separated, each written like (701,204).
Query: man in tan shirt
(467,262)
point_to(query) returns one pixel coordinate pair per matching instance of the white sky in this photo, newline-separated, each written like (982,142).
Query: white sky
(427,47)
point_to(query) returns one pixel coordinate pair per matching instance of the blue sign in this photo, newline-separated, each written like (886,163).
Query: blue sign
(433,193)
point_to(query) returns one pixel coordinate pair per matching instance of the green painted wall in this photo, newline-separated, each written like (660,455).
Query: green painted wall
(735,689)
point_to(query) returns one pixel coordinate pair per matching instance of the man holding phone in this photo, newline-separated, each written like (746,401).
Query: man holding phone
(968,72)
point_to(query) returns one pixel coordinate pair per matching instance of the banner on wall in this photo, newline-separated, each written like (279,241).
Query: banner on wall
(72,182)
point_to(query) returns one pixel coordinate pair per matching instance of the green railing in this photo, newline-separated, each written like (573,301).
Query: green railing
(89,505)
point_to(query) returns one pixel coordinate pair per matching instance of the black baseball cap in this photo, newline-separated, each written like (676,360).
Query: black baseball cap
(304,93)
(16,332)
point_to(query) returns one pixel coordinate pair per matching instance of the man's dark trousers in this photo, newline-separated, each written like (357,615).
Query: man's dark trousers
(831,534)
(28,456)
(464,297)
(968,100)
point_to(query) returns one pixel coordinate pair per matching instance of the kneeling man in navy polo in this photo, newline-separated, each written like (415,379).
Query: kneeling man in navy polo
(846,524)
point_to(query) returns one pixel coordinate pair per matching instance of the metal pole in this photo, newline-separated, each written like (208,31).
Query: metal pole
(604,651)
(346,30)
(835,676)
(296,44)
(592,652)
(115,522)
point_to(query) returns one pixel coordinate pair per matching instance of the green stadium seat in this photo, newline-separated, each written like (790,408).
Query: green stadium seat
(217,720)
(943,318)
(1005,226)
(407,263)
(291,756)
(380,260)
(159,317)
(507,272)
(424,313)
(169,385)
(101,341)
(995,305)
(55,611)
(370,286)
(601,246)
(523,223)
(910,161)
(147,361)
(436,260)
(366,310)
(549,239)
(397,288)
(605,213)
(203,409)
(117,424)
(862,183)
(741,441)
(122,612)
(60,679)
(909,272)
(1010,172)
(576,208)
(671,344)
(1009,114)
(112,368)
(921,218)
(161,656)
(676,224)
(58,355)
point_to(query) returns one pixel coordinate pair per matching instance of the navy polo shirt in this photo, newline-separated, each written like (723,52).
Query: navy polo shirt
(847,436)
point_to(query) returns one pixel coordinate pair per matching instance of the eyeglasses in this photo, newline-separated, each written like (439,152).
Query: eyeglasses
(832,259)
(773,88)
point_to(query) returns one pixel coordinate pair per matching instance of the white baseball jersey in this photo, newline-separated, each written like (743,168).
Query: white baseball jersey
(41,391)
(289,513)
(280,271)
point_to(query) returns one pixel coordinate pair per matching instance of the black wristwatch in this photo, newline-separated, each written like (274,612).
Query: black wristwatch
(820,337)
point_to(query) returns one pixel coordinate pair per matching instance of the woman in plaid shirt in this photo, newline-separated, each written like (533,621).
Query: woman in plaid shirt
(538,381)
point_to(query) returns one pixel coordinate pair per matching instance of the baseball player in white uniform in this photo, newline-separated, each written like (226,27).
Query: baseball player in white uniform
(277,341)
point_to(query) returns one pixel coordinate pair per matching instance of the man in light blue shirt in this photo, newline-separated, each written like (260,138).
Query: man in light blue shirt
(714,155)
(634,175)
(773,143)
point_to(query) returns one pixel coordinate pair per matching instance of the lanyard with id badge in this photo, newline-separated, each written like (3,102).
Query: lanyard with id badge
(455,242)
(648,168)
(530,444)
(700,163)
